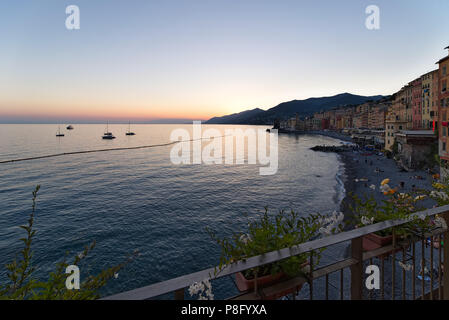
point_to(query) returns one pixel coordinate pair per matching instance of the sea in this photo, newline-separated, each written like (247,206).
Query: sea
(138,199)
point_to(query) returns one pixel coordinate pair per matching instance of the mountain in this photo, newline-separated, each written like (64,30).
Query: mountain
(237,118)
(289,109)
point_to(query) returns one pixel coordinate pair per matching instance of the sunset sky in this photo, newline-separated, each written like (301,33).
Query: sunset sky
(194,59)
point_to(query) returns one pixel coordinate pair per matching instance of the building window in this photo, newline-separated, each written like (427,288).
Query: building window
(444,146)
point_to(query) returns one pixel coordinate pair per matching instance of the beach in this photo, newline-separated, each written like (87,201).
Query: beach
(364,171)
(359,174)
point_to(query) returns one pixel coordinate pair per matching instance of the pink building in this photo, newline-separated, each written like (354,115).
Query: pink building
(416,103)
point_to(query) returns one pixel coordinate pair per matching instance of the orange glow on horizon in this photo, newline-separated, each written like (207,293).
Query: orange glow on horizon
(117,111)
(114,115)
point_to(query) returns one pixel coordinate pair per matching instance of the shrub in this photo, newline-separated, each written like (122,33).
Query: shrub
(280,231)
(22,285)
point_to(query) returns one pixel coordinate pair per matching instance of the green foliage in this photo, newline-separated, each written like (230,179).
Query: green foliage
(267,234)
(395,206)
(22,285)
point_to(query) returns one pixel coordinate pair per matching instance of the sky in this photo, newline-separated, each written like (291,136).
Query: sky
(195,59)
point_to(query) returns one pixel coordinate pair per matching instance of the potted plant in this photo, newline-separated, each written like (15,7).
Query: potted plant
(271,233)
(394,206)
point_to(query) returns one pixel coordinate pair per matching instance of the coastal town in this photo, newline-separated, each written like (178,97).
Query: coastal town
(411,125)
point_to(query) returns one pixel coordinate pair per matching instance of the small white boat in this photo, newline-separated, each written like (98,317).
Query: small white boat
(59,134)
(129,133)
(108,135)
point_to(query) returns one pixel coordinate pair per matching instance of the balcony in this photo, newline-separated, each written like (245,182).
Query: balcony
(400,264)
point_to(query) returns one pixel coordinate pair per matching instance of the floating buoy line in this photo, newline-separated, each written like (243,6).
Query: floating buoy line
(99,150)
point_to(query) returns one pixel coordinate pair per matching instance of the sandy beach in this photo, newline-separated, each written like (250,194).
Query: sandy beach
(365,172)
(362,171)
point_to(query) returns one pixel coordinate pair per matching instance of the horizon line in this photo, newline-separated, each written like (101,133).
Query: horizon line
(16,119)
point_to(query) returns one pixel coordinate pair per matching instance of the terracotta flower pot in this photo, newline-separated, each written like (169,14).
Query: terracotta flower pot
(380,240)
(373,241)
(244,284)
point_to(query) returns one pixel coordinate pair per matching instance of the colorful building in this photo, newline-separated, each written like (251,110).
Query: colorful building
(443,97)
(416,104)
(429,101)
(395,118)
(376,115)
(408,90)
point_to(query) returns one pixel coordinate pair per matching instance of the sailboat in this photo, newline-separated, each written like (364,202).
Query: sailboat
(129,133)
(108,135)
(59,134)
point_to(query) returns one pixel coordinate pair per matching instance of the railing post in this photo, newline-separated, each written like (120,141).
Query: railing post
(446,259)
(357,269)
(179,294)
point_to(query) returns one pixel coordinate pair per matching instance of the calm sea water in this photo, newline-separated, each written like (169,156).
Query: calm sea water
(138,199)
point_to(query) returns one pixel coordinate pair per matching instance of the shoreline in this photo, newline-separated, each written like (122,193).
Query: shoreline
(349,186)
(372,168)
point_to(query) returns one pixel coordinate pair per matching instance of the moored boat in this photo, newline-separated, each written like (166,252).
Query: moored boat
(59,134)
(108,135)
(129,132)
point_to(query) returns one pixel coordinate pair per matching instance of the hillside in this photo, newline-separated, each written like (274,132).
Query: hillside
(289,109)
(237,118)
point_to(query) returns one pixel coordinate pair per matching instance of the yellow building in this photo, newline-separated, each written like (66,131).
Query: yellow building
(429,99)
(396,118)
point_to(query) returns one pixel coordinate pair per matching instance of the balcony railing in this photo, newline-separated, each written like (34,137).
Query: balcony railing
(341,278)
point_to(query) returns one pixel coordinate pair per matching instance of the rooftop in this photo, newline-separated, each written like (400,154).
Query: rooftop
(442,59)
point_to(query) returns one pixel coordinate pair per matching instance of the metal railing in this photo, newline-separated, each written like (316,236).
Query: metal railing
(356,261)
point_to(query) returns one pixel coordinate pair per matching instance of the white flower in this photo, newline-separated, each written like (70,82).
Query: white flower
(440,222)
(366,221)
(384,188)
(373,187)
(325,231)
(116,275)
(245,238)
(331,223)
(203,289)
(439,194)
